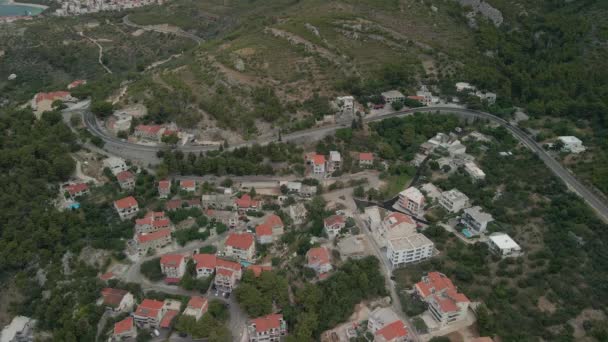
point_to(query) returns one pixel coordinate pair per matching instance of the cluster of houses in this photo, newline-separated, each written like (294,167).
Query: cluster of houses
(72,7)
(444,303)
(320,165)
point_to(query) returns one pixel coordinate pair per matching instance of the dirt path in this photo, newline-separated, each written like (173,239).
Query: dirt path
(309,46)
(100,59)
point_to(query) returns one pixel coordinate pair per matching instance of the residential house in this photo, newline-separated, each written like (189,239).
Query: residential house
(334,162)
(412,200)
(173,266)
(152,222)
(379,318)
(164,189)
(217,201)
(226,217)
(297,213)
(409,249)
(240,246)
(318,259)
(474,171)
(393,226)
(318,164)
(171,309)
(152,132)
(188,185)
(270,230)
(227,275)
(476,220)
(346,104)
(193,203)
(149,313)
(246,203)
(124,329)
(43,102)
(446,305)
(333,225)
(393,332)
(153,240)
(126,207)
(21,329)
(366,159)
(205,264)
(453,200)
(117,300)
(572,144)
(77,190)
(268,328)
(115,164)
(392,96)
(503,245)
(173,205)
(197,307)
(126,180)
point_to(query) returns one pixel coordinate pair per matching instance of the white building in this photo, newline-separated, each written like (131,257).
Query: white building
(503,245)
(474,171)
(392,96)
(445,304)
(115,164)
(572,144)
(346,104)
(453,200)
(21,329)
(462,86)
(379,318)
(240,246)
(476,220)
(334,162)
(173,265)
(409,249)
(412,200)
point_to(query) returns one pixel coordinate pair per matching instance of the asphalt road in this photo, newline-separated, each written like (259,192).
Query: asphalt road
(158,28)
(147,154)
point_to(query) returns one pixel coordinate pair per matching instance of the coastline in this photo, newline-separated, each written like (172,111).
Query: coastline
(13,2)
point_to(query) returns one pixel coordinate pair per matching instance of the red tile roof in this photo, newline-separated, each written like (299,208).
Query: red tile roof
(205,260)
(366,156)
(416,97)
(221,263)
(446,304)
(123,326)
(173,204)
(436,282)
(318,255)
(265,229)
(126,202)
(74,189)
(399,218)
(258,269)
(245,202)
(107,276)
(148,129)
(149,308)
(52,96)
(156,218)
(171,260)
(124,175)
(456,296)
(76,83)
(318,159)
(164,184)
(272,321)
(187,184)
(142,238)
(334,220)
(165,322)
(197,302)
(224,272)
(241,241)
(112,297)
(393,331)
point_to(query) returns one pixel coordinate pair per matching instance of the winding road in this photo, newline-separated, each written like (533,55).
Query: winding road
(137,151)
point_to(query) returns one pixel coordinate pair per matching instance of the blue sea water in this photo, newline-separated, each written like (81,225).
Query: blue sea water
(11,10)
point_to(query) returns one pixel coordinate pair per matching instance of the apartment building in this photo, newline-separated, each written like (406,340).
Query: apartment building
(126,207)
(410,249)
(453,200)
(268,328)
(227,275)
(270,230)
(444,302)
(152,222)
(205,264)
(333,225)
(126,180)
(197,306)
(149,313)
(173,266)
(476,220)
(334,162)
(412,200)
(154,240)
(240,246)
(124,330)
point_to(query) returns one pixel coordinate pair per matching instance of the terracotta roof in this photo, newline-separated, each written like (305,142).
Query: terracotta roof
(205,260)
(142,238)
(194,202)
(240,240)
(76,83)
(148,129)
(318,159)
(124,175)
(393,331)
(366,156)
(399,218)
(73,189)
(187,184)
(272,321)
(52,96)
(436,282)
(197,302)
(156,218)
(107,276)
(123,326)
(165,322)
(112,297)
(126,202)
(456,296)
(317,256)
(416,97)
(333,220)
(171,260)
(265,228)
(446,304)
(164,184)
(258,269)
(224,272)
(221,263)
(173,204)
(245,202)
(149,308)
